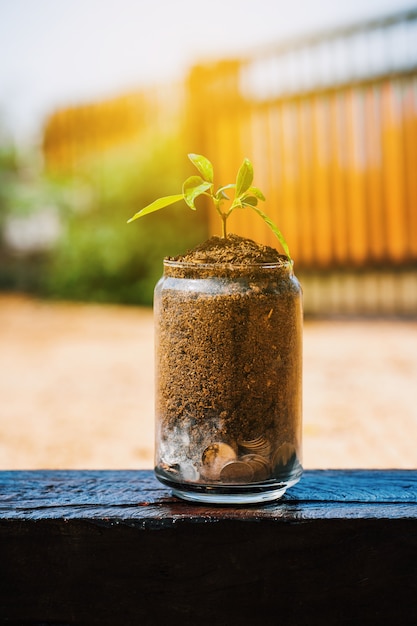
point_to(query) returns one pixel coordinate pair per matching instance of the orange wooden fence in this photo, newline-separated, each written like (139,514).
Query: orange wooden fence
(74,133)
(336,158)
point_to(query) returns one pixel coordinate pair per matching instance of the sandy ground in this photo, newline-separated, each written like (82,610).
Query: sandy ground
(76,389)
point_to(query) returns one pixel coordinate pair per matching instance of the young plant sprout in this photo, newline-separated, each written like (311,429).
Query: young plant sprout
(245,195)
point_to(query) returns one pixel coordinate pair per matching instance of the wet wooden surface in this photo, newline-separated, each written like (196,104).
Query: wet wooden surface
(114,547)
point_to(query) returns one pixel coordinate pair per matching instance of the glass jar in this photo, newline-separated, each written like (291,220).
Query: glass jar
(228,381)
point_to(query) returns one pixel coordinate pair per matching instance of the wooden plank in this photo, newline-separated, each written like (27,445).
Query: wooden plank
(113,494)
(305,213)
(338,178)
(357,236)
(410,162)
(394,168)
(320,175)
(375,200)
(110,547)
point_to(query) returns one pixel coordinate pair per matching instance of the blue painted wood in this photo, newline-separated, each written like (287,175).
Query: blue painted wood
(138,495)
(115,547)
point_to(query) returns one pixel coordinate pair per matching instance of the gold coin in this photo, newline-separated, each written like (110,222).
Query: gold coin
(214,457)
(260,466)
(285,454)
(252,443)
(236,472)
(259,445)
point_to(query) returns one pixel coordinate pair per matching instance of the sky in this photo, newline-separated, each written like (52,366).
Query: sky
(60,52)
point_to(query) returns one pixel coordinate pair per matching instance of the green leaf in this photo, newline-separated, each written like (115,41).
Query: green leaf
(256,192)
(193,187)
(203,165)
(275,230)
(221,194)
(249,201)
(244,178)
(157,205)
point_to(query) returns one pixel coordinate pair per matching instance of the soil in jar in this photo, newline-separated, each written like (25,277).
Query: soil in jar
(229,366)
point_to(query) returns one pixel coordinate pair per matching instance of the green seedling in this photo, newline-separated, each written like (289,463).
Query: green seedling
(245,195)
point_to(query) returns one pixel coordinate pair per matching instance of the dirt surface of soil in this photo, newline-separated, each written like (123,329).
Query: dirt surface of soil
(76,389)
(232,249)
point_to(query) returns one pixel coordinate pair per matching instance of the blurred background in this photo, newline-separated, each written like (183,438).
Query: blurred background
(100,102)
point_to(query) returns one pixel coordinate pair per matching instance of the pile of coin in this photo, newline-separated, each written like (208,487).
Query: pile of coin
(251,460)
(256,452)
(236,462)
(259,446)
(260,466)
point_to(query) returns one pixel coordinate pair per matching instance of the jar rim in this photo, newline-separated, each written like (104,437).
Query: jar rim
(185,269)
(285,264)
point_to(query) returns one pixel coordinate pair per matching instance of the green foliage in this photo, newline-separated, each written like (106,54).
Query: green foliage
(96,259)
(245,195)
(8,177)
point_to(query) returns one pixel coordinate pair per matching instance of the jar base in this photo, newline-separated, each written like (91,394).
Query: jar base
(231,498)
(230,494)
